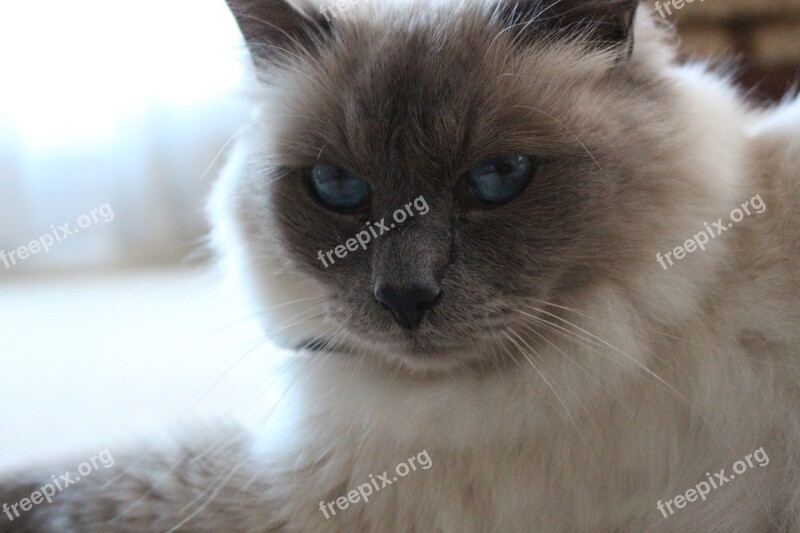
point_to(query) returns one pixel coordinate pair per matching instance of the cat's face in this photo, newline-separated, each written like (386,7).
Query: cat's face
(514,148)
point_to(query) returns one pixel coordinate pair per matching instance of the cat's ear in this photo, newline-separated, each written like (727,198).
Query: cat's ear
(273,28)
(600,23)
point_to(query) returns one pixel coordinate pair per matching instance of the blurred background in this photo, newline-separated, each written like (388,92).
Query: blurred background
(115,119)
(763,35)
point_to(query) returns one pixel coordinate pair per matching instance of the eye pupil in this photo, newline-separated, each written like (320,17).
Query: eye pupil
(500,180)
(504,168)
(337,188)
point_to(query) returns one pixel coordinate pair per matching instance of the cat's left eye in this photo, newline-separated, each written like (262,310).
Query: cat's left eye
(500,180)
(337,188)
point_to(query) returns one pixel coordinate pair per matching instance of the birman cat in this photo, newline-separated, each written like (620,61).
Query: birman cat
(539,277)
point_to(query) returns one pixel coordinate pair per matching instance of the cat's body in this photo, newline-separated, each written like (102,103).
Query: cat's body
(624,383)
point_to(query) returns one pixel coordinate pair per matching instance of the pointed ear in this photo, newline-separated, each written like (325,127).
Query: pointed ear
(600,23)
(273,28)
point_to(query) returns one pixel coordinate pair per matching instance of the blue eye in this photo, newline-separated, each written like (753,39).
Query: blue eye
(500,180)
(338,188)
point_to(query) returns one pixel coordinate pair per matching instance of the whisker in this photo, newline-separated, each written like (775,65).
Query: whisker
(229,141)
(214,493)
(547,382)
(240,358)
(560,123)
(627,356)
(590,376)
(641,366)
(659,332)
(262,312)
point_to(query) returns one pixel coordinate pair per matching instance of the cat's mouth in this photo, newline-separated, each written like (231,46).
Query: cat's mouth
(416,346)
(426,353)
(437,343)
(416,355)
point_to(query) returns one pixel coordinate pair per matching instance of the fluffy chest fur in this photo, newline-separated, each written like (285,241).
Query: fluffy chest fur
(509,455)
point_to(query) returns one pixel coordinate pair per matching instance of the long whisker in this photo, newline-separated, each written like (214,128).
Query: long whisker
(217,486)
(646,370)
(560,123)
(238,321)
(154,486)
(294,383)
(214,448)
(262,312)
(240,358)
(626,355)
(649,328)
(590,376)
(547,382)
(221,150)
(261,388)
(214,493)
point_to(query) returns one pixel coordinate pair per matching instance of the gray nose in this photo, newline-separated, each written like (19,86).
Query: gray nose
(408,304)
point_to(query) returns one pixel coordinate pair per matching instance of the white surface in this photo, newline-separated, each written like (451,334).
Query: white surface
(104,361)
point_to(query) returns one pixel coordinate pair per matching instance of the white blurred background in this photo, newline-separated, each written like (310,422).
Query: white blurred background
(114,335)
(120,103)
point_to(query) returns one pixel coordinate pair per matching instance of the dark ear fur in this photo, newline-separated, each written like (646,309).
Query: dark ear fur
(601,22)
(273,27)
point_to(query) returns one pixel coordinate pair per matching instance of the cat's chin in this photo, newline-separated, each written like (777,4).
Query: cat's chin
(427,359)
(429,363)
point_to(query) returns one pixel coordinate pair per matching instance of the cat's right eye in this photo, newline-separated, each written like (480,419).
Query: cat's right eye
(338,189)
(500,180)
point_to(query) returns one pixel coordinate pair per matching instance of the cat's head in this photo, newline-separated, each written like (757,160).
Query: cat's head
(421,180)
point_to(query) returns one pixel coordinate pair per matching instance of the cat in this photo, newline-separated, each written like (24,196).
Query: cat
(552,346)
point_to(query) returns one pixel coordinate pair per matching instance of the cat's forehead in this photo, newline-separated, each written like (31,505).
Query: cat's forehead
(424,98)
(411,87)
(384,95)
(418,103)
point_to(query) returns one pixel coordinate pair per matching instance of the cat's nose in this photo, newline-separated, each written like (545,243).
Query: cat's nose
(408,304)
